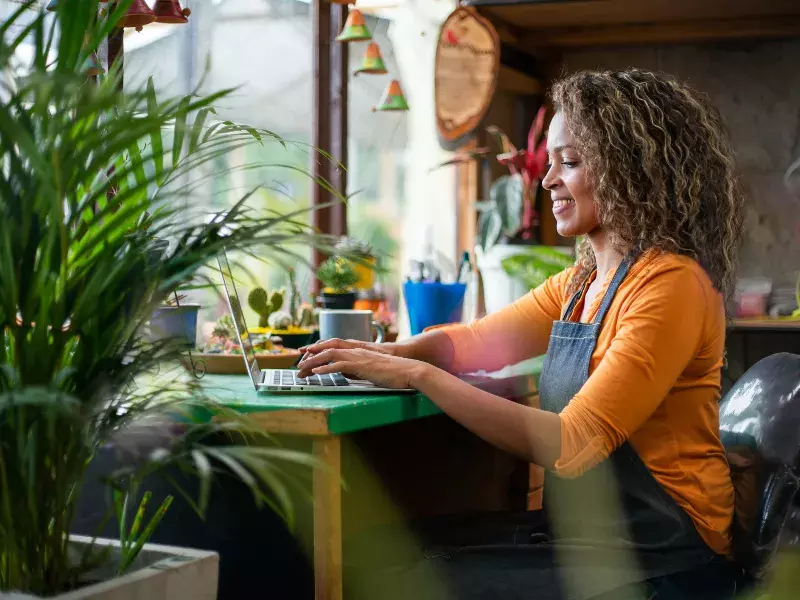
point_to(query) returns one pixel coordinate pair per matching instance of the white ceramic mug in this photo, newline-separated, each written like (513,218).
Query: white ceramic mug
(349,325)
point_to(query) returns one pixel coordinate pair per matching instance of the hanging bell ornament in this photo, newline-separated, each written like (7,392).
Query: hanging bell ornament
(170,11)
(355,30)
(138,15)
(393,98)
(372,63)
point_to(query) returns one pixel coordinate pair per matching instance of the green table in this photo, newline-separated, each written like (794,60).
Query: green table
(325,418)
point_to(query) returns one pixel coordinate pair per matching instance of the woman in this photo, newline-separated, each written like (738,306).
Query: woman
(638,488)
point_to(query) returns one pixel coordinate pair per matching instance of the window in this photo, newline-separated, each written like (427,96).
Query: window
(263,48)
(400,203)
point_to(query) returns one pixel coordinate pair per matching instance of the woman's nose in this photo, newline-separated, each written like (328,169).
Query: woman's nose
(550,180)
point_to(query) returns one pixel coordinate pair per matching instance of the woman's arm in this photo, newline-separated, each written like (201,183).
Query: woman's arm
(530,433)
(517,332)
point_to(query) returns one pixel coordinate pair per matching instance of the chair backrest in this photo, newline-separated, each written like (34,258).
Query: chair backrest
(760,428)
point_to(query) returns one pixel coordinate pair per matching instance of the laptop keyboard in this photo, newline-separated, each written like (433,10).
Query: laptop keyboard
(288,377)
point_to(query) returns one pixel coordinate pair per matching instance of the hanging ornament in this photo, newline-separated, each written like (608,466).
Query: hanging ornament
(92,66)
(138,15)
(393,98)
(355,30)
(170,11)
(372,63)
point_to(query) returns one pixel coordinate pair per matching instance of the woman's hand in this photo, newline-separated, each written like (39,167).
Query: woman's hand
(380,368)
(336,343)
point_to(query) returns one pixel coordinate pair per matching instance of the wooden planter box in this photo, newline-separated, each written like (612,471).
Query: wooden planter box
(159,573)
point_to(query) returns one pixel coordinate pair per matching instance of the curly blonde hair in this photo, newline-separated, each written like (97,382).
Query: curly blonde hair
(661,166)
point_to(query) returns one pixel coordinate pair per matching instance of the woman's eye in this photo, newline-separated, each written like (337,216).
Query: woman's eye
(570,164)
(547,167)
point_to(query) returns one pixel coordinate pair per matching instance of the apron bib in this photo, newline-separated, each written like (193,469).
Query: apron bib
(618,506)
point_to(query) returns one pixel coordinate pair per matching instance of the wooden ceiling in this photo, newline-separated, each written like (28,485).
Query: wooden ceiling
(571,23)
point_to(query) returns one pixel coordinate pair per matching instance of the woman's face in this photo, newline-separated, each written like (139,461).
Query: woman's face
(568,183)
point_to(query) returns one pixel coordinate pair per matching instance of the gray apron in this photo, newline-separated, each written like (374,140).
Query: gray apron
(617,507)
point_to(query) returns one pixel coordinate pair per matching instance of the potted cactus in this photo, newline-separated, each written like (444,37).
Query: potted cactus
(338,276)
(295,326)
(364,260)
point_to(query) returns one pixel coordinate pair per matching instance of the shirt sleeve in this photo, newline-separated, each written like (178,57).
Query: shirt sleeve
(658,334)
(516,333)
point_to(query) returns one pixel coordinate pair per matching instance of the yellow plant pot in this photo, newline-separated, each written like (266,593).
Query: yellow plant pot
(366,274)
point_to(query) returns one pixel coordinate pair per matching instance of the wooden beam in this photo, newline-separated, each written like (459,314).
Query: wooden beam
(338,120)
(116,51)
(329,119)
(678,32)
(320,119)
(466,195)
(553,14)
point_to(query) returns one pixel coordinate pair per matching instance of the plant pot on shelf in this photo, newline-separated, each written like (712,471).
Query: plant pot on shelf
(294,339)
(178,323)
(499,288)
(158,573)
(509,271)
(345,301)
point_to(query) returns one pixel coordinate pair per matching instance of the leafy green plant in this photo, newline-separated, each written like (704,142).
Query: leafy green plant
(510,212)
(337,274)
(535,265)
(131,541)
(92,182)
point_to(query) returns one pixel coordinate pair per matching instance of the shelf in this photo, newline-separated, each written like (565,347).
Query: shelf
(542,24)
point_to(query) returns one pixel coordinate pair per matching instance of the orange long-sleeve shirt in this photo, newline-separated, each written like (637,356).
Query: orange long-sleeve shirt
(654,379)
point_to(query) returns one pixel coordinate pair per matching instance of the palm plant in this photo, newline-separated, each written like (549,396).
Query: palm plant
(93,182)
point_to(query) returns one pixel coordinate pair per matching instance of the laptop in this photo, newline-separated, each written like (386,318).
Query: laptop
(286,381)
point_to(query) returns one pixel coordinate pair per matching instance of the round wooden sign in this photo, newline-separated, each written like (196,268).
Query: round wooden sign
(467,66)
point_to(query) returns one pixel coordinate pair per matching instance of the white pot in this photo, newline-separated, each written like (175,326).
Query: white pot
(158,573)
(499,289)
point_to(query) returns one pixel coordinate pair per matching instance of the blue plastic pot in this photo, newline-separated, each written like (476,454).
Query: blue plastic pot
(431,304)
(178,323)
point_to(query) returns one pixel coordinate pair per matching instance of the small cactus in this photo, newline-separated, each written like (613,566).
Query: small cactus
(280,320)
(306,316)
(264,304)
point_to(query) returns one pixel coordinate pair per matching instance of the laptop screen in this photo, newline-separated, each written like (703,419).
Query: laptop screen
(238,319)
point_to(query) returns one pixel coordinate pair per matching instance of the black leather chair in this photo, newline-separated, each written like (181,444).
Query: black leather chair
(760,428)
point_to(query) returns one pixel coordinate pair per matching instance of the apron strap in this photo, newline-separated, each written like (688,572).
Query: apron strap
(620,274)
(575,297)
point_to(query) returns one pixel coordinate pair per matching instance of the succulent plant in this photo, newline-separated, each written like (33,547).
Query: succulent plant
(223,328)
(354,247)
(294,296)
(338,274)
(280,319)
(306,317)
(265,303)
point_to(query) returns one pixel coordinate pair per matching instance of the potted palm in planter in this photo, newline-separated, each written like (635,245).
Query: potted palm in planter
(90,184)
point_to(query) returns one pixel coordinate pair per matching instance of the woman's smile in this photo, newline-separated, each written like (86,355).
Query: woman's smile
(562,205)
